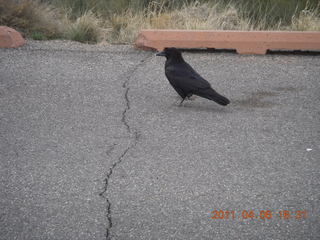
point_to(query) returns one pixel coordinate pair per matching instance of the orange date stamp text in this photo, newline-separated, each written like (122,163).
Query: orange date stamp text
(258,214)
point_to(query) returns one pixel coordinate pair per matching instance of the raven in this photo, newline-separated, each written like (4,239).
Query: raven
(185,80)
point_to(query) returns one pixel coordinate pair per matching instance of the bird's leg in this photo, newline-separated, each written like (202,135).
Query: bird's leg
(181,102)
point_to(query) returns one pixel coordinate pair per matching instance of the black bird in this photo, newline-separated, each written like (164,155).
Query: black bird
(185,80)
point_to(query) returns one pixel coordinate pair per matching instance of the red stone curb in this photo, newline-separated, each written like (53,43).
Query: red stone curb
(245,42)
(10,38)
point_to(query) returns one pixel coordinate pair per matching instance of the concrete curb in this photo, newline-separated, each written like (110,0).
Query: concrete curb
(245,42)
(10,38)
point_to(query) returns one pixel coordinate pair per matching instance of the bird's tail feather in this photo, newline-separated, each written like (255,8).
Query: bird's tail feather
(214,96)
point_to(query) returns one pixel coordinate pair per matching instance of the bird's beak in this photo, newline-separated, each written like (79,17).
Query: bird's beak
(161,53)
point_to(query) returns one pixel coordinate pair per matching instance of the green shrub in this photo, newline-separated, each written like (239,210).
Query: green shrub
(38,36)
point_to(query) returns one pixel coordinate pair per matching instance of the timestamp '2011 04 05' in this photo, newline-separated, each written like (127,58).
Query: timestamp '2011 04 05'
(261,214)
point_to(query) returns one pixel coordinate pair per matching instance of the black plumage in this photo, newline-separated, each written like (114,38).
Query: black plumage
(185,80)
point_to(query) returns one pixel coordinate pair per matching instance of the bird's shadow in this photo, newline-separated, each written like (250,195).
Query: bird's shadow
(256,100)
(253,100)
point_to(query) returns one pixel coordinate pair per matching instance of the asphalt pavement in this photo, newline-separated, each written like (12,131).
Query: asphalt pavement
(93,145)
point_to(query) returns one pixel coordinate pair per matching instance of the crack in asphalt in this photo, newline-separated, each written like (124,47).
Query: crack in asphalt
(134,140)
(124,114)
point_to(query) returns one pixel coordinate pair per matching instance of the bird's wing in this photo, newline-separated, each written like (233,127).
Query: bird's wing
(183,76)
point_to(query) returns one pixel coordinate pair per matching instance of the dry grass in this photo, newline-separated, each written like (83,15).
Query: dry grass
(203,16)
(306,20)
(32,17)
(86,28)
(124,28)
(43,21)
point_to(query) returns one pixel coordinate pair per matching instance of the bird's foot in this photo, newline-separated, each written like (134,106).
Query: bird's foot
(192,97)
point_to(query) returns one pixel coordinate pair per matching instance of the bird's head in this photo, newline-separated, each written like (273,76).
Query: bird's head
(170,53)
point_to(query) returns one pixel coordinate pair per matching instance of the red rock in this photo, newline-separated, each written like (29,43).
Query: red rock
(10,38)
(245,42)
